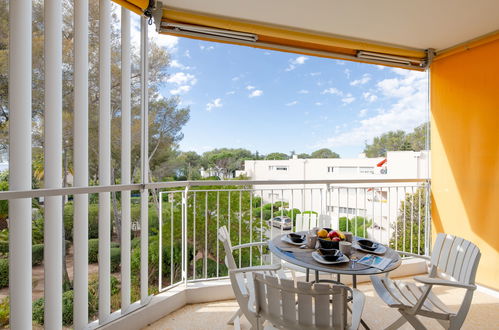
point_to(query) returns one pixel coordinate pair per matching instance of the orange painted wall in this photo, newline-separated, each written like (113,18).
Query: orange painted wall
(465,151)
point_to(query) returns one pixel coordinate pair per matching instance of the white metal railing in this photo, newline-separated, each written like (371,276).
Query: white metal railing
(394,213)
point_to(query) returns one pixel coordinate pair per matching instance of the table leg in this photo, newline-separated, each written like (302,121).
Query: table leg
(307,275)
(338,278)
(354,281)
(316,276)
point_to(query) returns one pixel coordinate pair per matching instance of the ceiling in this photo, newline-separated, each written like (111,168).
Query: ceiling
(422,24)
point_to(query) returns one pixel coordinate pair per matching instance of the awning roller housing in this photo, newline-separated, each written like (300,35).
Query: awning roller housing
(211,28)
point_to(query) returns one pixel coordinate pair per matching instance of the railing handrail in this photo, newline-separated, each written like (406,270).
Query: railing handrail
(45,192)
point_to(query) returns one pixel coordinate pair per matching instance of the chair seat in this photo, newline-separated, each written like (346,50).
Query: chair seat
(404,295)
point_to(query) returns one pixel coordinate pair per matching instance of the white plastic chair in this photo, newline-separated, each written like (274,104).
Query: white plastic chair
(242,282)
(305,222)
(305,305)
(453,263)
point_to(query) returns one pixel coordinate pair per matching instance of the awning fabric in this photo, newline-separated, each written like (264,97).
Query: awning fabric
(136,6)
(288,40)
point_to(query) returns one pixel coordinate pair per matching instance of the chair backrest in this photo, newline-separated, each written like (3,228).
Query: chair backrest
(306,221)
(301,306)
(455,257)
(224,237)
(325,221)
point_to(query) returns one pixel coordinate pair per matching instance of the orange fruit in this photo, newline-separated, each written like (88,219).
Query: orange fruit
(322,233)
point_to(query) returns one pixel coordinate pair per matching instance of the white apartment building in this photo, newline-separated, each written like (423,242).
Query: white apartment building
(379,203)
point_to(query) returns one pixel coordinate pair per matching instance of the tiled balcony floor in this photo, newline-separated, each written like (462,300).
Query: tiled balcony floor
(484,312)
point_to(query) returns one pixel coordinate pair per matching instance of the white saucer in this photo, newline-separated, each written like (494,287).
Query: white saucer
(381,249)
(285,238)
(317,257)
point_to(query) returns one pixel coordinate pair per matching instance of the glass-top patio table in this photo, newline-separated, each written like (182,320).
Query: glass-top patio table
(303,258)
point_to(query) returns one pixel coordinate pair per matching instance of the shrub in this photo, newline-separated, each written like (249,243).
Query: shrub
(4,247)
(93,251)
(93,221)
(115,245)
(37,254)
(67,307)
(135,242)
(38,311)
(115,259)
(4,312)
(67,245)
(4,273)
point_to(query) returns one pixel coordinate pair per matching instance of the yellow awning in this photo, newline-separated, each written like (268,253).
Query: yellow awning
(219,29)
(136,6)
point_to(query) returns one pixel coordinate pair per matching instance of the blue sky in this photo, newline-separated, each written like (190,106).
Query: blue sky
(269,101)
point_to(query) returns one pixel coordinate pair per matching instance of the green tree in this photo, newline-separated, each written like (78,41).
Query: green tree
(224,162)
(409,229)
(189,164)
(276,156)
(398,141)
(417,138)
(303,156)
(324,153)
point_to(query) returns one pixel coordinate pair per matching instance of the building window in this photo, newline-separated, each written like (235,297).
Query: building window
(366,170)
(330,169)
(278,168)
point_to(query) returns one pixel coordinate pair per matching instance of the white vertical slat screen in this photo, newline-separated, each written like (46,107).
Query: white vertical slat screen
(80,164)
(104,159)
(144,196)
(53,164)
(125,157)
(20,14)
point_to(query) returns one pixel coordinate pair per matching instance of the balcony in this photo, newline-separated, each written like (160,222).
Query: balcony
(164,254)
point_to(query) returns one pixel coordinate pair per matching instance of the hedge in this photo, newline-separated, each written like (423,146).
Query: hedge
(67,309)
(115,259)
(37,254)
(93,250)
(4,247)
(4,273)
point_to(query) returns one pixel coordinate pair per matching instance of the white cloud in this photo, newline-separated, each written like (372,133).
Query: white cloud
(230,93)
(363,113)
(364,80)
(303,91)
(295,62)
(369,96)
(187,54)
(176,64)
(332,90)
(318,104)
(216,103)
(180,90)
(380,67)
(313,74)
(408,110)
(347,73)
(202,47)
(182,78)
(249,87)
(256,93)
(348,99)
(292,103)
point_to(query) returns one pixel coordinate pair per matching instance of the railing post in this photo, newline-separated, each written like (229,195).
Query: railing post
(427,220)
(125,157)
(20,18)
(104,160)
(144,194)
(53,233)
(185,196)
(80,161)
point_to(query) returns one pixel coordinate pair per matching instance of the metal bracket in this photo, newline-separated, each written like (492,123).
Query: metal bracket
(430,55)
(157,15)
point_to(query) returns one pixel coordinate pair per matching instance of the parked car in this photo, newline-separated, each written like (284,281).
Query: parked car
(282,222)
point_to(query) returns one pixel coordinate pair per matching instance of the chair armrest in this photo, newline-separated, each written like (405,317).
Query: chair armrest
(242,246)
(268,268)
(358,302)
(439,281)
